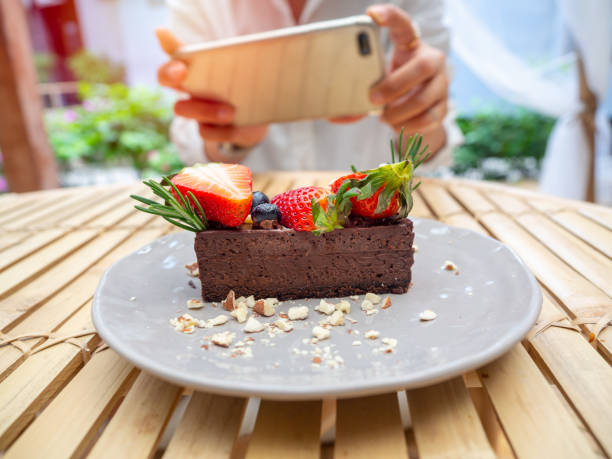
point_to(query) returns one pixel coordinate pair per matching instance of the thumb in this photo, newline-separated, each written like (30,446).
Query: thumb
(401,29)
(168,42)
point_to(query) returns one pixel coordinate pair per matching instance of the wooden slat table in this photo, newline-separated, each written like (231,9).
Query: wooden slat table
(550,396)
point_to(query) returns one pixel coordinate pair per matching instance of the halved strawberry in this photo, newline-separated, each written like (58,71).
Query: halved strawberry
(296,206)
(367,207)
(223,190)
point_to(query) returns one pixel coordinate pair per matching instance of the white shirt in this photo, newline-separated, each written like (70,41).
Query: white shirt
(303,145)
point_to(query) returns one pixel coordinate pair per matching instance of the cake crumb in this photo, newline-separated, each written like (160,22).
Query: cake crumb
(356,343)
(241,313)
(371,312)
(325,307)
(192,269)
(264,307)
(372,298)
(284,325)
(427,314)
(320,333)
(366,305)
(449,266)
(223,339)
(372,334)
(386,303)
(228,302)
(298,312)
(194,303)
(344,307)
(253,326)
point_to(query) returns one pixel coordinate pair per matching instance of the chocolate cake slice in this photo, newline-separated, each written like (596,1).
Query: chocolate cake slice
(288,264)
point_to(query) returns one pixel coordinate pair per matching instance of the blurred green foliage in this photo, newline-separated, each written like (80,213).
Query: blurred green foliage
(511,136)
(43,64)
(115,125)
(93,68)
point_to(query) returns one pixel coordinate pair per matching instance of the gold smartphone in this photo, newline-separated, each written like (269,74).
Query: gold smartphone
(318,70)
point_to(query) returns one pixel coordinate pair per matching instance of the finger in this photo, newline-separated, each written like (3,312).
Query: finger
(425,122)
(411,105)
(205,111)
(346,119)
(239,135)
(401,29)
(172,74)
(168,42)
(414,72)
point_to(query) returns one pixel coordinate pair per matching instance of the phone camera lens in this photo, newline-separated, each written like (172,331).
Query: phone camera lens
(363,40)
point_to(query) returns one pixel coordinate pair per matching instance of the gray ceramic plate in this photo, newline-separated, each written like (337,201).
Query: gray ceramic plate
(482,311)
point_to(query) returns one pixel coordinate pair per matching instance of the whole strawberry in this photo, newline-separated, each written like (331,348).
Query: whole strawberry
(296,206)
(367,207)
(223,190)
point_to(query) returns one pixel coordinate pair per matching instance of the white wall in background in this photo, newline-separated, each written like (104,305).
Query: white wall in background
(123,31)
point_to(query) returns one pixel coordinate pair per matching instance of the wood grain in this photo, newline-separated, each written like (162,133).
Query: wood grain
(286,429)
(369,426)
(599,237)
(208,428)
(445,422)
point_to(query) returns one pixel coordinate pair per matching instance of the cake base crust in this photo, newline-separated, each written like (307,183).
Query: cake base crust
(288,264)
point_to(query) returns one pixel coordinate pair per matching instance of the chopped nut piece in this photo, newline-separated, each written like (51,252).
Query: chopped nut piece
(272,301)
(372,298)
(391,342)
(449,266)
(298,312)
(415,248)
(228,302)
(336,319)
(186,324)
(371,312)
(356,343)
(428,314)
(344,307)
(316,359)
(354,297)
(372,334)
(284,325)
(320,333)
(253,326)
(250,301)
(325,307)
(219,320)
(223,339)
(192,269)
(240,313)
(366,305)
(195,304)
(240,299)
(386,303)
(264,308)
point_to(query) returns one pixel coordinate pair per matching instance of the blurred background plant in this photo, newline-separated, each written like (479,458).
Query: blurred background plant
(92,68)
(44,64)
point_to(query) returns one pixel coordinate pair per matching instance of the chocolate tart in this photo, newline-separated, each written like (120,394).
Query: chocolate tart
(288,264)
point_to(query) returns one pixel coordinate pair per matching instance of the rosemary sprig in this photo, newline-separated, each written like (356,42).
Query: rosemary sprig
(186,213)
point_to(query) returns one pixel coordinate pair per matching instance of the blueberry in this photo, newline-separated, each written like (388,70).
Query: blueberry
(258,198)
(265,211)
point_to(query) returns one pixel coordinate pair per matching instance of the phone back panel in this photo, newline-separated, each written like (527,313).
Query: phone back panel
(316,72)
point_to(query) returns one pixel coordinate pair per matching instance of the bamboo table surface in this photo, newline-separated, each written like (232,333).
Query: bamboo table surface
(64,393)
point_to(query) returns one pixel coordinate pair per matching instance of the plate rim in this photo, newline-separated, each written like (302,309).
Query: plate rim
(347,389)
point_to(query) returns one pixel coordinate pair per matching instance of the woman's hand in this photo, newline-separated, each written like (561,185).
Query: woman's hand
(214,117)
(415,91)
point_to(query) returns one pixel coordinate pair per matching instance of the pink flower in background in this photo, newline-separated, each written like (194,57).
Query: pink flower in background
(3,185)
(89,105)
(70,116)
(152,155)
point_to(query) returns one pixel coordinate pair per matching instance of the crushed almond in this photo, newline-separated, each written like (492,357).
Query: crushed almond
(372,334)
(298,312)
(192,269)
(250,301)
(284,325)
(317,360)
(449,266)
(354,297)
(223,339)
(336,319)
(320,333)
(186,324)
(240,299)
(219,320)
(371,312)
(264,308)
(253,326)
(240,313)
(386,303)
(391,342)
(194,303)
(228,302)
(344,307)
(272,301)
(372,298)
(366,305)
(356,343)
(428,314)
(325,307)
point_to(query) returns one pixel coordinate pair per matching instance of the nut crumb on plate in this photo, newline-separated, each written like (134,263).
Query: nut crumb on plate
(241,313)
(386,303)
(372,298)
(356,343)
(449,266)
(325,307)
(298,312)
(218,320)
(344,307)
(228,302)
(250,301)
(354,297)
(194,303)
(336,319)
(320,333)
(284,325)
(427,314)
(192,269)
(372,334)
(366,305)
(371,312)
(253,326)
(223,339)
(264,307)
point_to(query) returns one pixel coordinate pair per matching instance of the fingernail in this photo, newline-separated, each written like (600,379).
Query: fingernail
(377,98)
(225,114)
(379,13)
